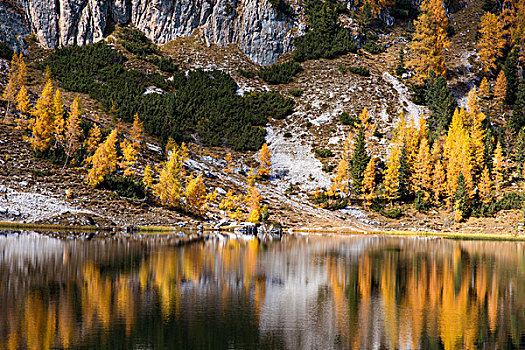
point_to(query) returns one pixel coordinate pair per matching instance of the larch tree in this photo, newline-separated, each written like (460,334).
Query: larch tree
(229,163)
(104,161)
(439,181)
(10,90)
(59,122)
(485,186)
(195,196)
(422,176)
(171,175)
(147,177)
(359,161)
(477,133)
(369,183)
(484,89)
(43,125)
(253,201)
(461,199)
(391,181)
(265,161)
(500,90)
(21,71)
(72,131)
(340,181)
(498,168)
(491,42)
(22,105)
(129,157)
(430,40)
(93,139)
(137,132)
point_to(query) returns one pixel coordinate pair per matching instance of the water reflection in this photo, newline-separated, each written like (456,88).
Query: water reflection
(310,293)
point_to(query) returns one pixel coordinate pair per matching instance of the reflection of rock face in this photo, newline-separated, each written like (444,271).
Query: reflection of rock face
(253,25)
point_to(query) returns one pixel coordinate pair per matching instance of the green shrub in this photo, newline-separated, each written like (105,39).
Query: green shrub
(324,153)
(392,213)
(164,64)
(282,6)
(125,186)
(362,71)
(347,119)
(136,42)
(5,51)
(373,48)
(419,203)
(280,73)
(328,168)
(296,93)
(510,201)
(326,38)
(202,102)
(249,74)
(287,135)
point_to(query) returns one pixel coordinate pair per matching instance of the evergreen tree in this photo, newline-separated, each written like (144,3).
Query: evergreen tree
(517,120)
(400,67)
(461,199)
(10,89)
(511,76)
(441,104)
(520,150)
(359,161)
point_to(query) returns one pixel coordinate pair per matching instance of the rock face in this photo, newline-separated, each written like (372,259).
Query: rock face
(259,31)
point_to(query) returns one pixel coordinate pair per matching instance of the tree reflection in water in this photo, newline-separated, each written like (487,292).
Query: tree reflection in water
(318,292)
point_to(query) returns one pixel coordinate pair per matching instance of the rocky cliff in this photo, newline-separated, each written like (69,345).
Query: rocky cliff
(259,31)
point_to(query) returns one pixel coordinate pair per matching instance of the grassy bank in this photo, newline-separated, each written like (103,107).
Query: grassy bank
(6,225)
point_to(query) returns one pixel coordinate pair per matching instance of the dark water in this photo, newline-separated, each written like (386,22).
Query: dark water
(364,292)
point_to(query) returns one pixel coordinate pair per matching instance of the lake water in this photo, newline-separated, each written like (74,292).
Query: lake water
(356,292)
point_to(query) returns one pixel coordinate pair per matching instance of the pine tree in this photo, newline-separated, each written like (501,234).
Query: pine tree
(485,186)
(59,122)
(359,161)
(391,181)
(491,42)
(422,176)
(195,195)
(265,161)
(94,138)
(517,120)
(441,103)
(461,199)
(147,178)
(430,40)
(498,168)
(400,67)
(253,200)
(104,161)
(500,91)
(129,157)
(169,186)
(511,76)
(137,133)
(43,126)
(72,132)
(369,183)
(520,150)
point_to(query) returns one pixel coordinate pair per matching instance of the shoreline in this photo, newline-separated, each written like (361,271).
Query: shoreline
(301,231)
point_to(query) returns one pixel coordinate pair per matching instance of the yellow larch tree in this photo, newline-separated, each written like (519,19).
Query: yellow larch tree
(43,125)
(369,183)
(250,177)
(477,133)
(500,90)
(485,186)
(229,163)
(129,157)
(391,181)
(439,181)
(59,122)
(340,182)
(104,161)
(21,71)
(265,161)
(195,195)
(376,6)
(171,175)
(22,105)
(10,90)
(498,168)
(253,201)
(369,129)
(491,42)
(147,177)
(137,132)
(72,131)
(430,40)
(93,139)
(422,175)
(484,89)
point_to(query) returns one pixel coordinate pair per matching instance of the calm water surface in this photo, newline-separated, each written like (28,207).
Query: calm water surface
(302,293)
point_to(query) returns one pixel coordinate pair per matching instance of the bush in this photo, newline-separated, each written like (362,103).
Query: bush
(327,38)
(420,204)
(5,51)
(202,102)
(281,6)
(164,64)
(324,153)
(287,135)
(296,93)
(249,74)
(346,119)
(280,73)
(373,48)
(125,186)
(362,71)
(510,201)
(136,42)
(392,213)
(334,202)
